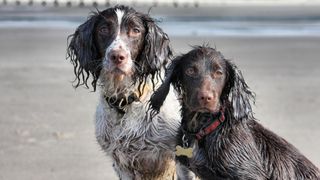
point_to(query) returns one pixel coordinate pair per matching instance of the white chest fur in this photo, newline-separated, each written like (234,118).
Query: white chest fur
(117,133)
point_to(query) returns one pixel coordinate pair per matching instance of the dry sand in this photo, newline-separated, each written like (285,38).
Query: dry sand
(47,127)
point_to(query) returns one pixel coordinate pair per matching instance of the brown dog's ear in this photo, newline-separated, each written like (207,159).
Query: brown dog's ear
(82,53)
(237,93)
(172,77)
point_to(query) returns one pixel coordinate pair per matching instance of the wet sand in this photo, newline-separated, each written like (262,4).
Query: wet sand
(47,127)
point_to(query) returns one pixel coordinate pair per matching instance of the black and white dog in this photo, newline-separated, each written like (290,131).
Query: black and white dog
(125,53)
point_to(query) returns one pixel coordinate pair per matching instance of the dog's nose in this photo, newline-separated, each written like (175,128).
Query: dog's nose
(118,56)
(205,97)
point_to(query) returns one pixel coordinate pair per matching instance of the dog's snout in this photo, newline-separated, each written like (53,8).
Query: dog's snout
(118,56)
(206,93)
(205,97)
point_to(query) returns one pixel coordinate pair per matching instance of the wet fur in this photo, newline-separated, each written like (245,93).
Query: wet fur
(240,148)
(140,147)
(87,59)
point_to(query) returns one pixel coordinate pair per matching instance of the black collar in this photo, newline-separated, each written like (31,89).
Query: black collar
(120,103)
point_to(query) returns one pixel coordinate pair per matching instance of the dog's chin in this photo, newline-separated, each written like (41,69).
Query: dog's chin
(119,73)
(116,80)
(122,70)
(212,109)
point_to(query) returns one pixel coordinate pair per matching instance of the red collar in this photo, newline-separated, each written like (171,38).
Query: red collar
(209,129)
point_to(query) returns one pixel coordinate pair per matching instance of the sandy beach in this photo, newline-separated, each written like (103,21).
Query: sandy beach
(47,127)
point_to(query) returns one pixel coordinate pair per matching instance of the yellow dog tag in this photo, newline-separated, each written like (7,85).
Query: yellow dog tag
(183,151)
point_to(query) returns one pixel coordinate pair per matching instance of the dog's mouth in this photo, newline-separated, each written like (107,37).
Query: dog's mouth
(119,74)
(122,70)
(214,109)
(201,109)
(204,110)
(118,71)
(115,81)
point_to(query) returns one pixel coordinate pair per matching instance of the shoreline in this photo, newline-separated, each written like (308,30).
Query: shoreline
(230,11)
(229,21)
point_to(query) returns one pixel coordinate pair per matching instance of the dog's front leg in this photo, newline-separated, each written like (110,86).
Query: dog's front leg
(122,173)
(183,173)
(101,127)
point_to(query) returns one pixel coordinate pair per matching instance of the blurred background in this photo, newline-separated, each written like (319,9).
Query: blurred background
(47,127)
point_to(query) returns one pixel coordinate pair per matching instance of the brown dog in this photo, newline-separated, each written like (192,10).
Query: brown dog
(218,125)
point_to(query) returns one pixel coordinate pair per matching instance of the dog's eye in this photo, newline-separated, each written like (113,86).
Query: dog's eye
(104,30)
(191,71)
(134,32)
(218,73)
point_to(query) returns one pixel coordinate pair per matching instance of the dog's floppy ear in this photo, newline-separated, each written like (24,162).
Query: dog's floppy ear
(82,53)
(237,92)
(172,77)
(157,51)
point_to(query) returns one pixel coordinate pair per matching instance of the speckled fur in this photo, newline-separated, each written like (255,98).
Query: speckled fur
(141,148)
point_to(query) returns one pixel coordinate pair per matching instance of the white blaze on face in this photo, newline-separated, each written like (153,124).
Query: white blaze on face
(118,44)
(119,14)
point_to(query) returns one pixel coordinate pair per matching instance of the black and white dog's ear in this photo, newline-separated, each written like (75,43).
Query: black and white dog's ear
(82,53)
(157,51)
(237,92)
(172,77)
